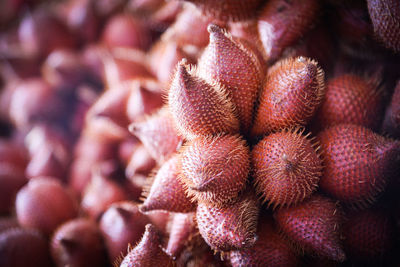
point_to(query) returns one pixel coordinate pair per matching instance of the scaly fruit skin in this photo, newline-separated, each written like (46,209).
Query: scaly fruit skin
(182,230)
(270,249)
(166,191)
(350,98)
(369,235)
(147,252)
(313,226)
(292,91)
(228,10)
(385,17)
(158,134)
(229,227)
(229,62)
(287,167)
(215,169)
(358,163)
(200,108)
(281,23)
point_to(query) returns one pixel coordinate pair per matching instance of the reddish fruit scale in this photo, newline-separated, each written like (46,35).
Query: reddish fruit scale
(292,92)
(200,108)
(215,169)
(351,99)
(166,191)
(358,163)
(287,168)
(313,226)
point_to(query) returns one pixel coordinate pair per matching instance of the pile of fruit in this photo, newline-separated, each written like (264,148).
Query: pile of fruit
(200,133)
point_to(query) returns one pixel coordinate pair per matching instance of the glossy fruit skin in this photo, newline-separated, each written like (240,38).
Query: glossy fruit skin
(291,94)
(286,167)
(227,61)
(229,227)
(385,17)
(314,226)
(350,98)
(215,169)
(358,163)
(200,108)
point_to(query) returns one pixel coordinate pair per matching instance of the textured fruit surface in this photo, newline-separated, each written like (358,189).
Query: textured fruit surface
(270,249)
(385,17)
(44,204)
(122,224)
(292,91)
(158,134)
(350,98)
(227,61)
(228,10)
(391,123)
(167,191)
(313,226)
(148,251)
(286,167)
(78,243)
(23,247)
(215,169)
(281,23)
(229,227)
(357,161)
(368,235)
(200,108)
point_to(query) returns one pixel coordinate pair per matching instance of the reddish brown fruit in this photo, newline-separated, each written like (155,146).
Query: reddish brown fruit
(126,30)
(148,252)
(200,108)
(228,10)
(358,163)
(229,227)
(182,231)
(292,91)
(78,243)
(385,17)
(140,162)
(158,134)
(287,167)
(270,249)
(369,235)
(8,223)
(166,191)
(215,169)
(313,226)
(102,191)
(391,124)
(44,204)
(122,224)
(12,178)
(23,247)
(229,62)
(281,23)
(351,99)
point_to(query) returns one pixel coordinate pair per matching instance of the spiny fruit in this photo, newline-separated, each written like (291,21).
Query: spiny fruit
(287,167)
(358,163)
(281,23)
(227,61)
(292,92)
(385,17)
(369,235)
(158,134)
(229,227)
(215,169)
(270,249)
(148,252)
(228,10)
(166,192)
(350,98)
(313,226)
(200,108)
(78,243)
